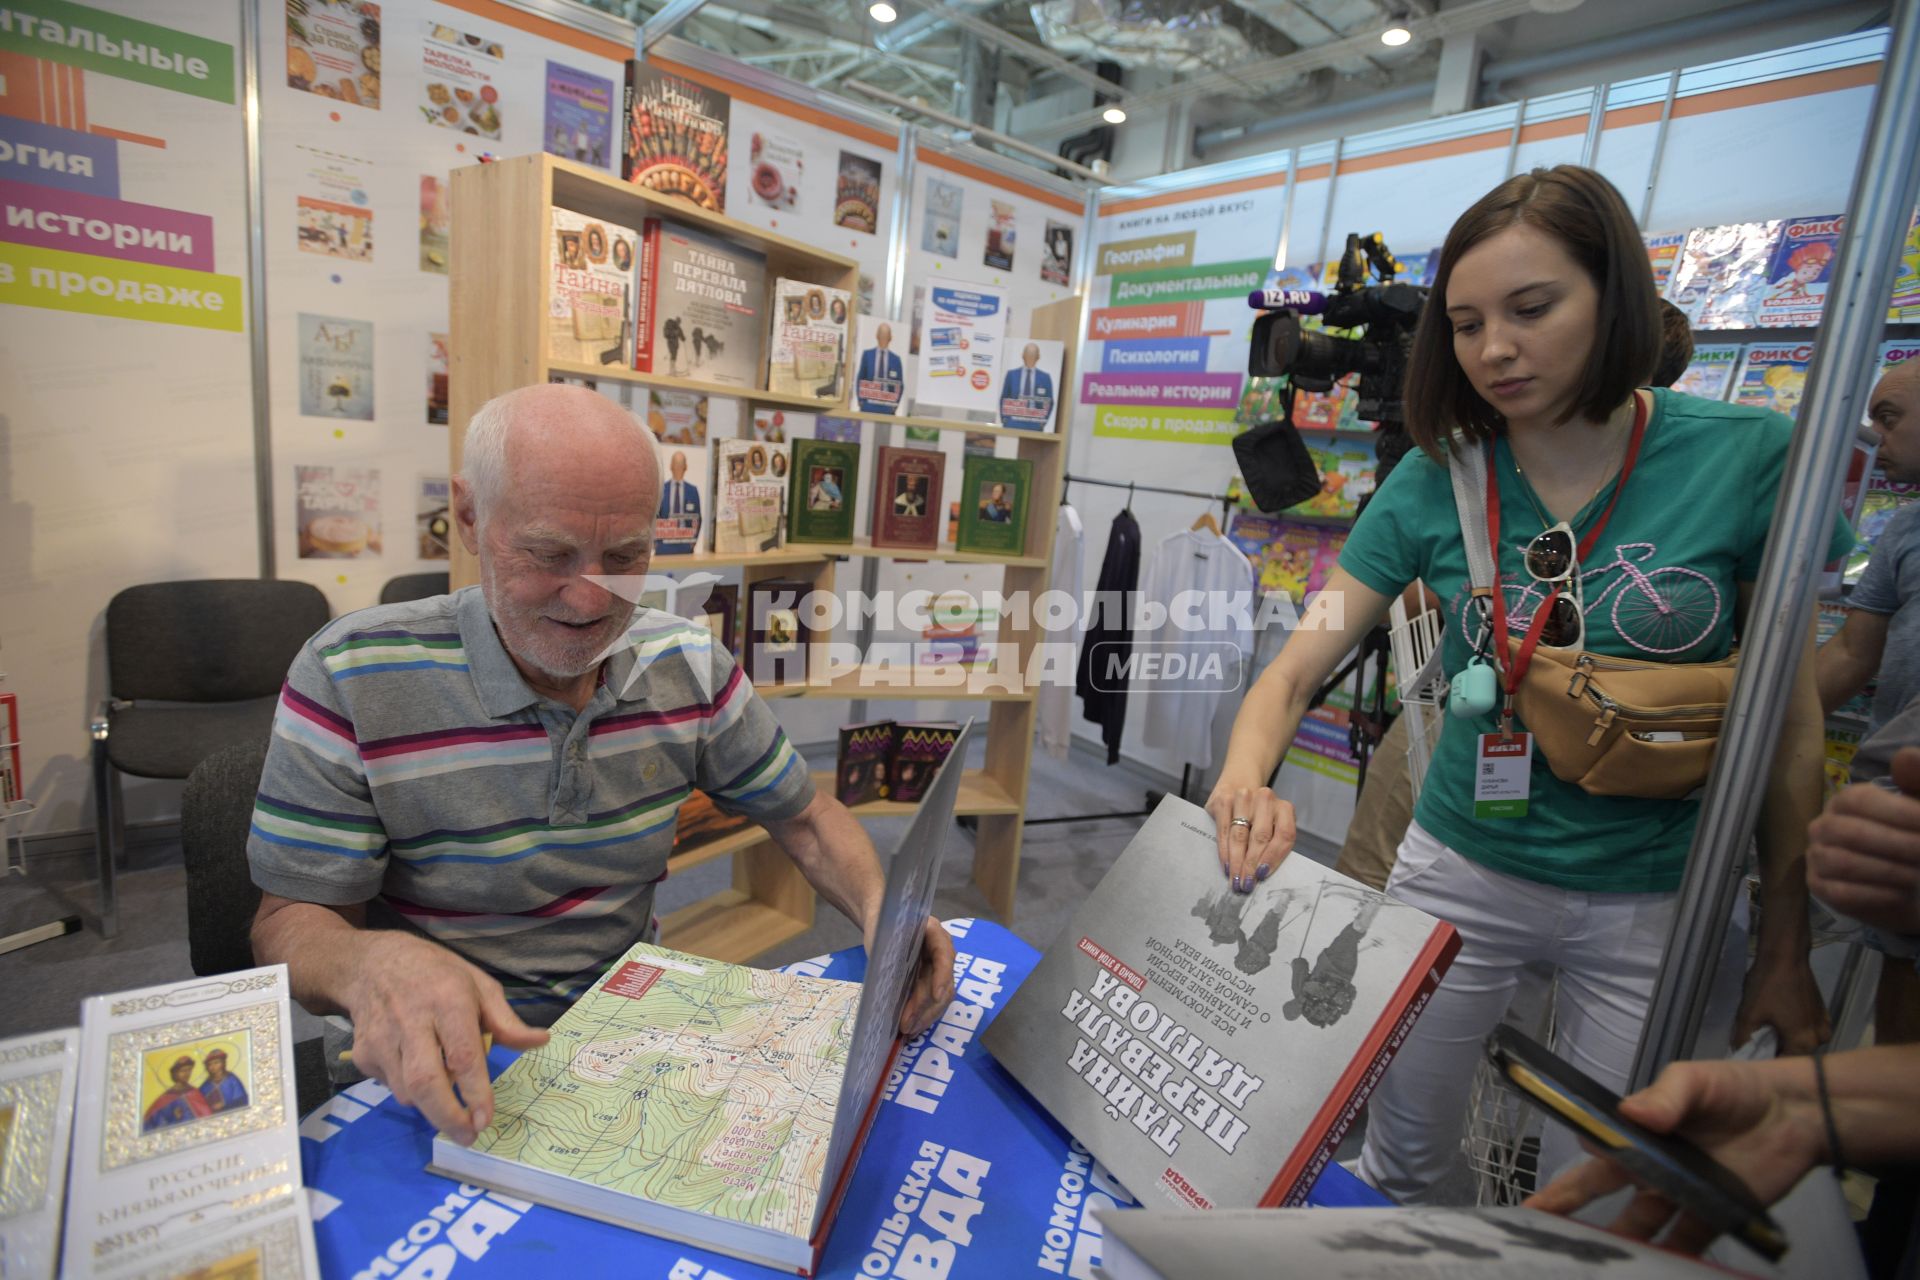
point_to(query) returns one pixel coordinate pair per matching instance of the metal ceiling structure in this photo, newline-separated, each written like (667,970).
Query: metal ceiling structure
(1048,71)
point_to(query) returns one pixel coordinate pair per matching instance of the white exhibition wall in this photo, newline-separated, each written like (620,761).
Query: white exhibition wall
(1733,127)
(126,423)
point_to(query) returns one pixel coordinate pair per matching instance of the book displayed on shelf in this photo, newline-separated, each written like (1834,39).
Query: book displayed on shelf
(590,290)
(919,749)
(675,136)
(822,492)
(996,495)
(863,769)
(682,515)
(1905,305)
(182,1080)
(1773,376)
(38,1076)
(1899,351)
(718,612)
(1109,1031)
(1030,390)
(779,635)
(700,822)
(779,426)
(750,496)
(611,1119)
(12,781)
(1367,1243)
(700,306)
(807,349)
(1710,372)
(1289,557)
(907,493)
(1721,272)
(879,370)
(1797,278)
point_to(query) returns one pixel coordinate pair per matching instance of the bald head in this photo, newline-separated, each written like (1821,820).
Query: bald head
(1894,411)
(554,436)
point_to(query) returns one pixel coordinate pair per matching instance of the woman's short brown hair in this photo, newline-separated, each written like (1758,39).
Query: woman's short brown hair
(1583,211)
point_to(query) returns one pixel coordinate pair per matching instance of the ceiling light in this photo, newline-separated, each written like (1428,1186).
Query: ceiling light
(881,11)
(1396,34)
(1114,115)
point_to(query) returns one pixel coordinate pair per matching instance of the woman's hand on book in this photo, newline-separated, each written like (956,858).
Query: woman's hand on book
(1255,829)
(418,1014)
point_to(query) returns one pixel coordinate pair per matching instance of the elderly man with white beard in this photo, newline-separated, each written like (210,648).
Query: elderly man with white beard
(468,800)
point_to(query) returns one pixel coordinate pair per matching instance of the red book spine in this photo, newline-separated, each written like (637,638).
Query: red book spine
(1337,1114)
(649,269)
(839,1191)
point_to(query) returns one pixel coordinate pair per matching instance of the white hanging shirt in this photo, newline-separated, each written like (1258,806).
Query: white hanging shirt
(1178,711)
(1067,574)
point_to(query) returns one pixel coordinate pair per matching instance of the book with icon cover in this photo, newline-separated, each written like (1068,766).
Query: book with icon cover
(807,350)
(779,633)
(590,290)
(906,509)
(821,496)
(189,1084)
(1212,1047)
(38,1075)
(996,495)
(862,771)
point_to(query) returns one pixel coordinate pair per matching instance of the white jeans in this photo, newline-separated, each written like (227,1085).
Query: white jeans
(1607,948)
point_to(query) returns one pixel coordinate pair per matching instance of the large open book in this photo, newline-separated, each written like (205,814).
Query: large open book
(712,1103)
(1213,1047)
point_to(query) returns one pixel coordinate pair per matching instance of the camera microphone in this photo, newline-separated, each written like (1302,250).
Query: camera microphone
(1307,302)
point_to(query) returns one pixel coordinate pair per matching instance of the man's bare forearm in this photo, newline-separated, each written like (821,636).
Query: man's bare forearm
(1791,801)
(319,945)
(833,851)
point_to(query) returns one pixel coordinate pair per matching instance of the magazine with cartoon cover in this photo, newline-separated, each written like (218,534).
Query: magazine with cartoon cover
(590,290)
(1415,1243)
(701,303)
(624,1115)
(186,1154)
(1773,376)
(1721,272)
(38,1075)
(1797,279)
(1210,1047)
(807,352)
(750,495)
(1710,372)
(1662,253)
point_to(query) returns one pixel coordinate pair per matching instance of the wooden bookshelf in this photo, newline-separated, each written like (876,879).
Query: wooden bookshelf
(502,215)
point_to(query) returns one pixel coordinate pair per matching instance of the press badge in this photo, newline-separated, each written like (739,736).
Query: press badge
(1503,772)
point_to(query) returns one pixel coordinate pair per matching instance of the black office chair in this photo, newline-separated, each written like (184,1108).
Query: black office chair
(413,586)
(216,812)
(191,667)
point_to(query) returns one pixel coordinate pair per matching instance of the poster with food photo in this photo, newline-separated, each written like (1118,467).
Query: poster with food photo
(1056,258)
(459,92)
(436,219)
(856,199)
(333,49)
(437,379)
(336,367)
(940,223)
(776,163)
(338,512)
(332,213)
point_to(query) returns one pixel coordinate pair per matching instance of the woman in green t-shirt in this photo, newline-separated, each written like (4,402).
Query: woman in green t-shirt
(1542,327)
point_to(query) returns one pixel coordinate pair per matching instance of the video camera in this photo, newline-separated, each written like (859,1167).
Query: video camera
(1312,360)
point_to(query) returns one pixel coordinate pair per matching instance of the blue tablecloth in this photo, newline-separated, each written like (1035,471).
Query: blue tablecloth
(1000,1189)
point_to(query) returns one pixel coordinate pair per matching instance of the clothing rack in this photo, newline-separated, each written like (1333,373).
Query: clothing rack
(1152,797)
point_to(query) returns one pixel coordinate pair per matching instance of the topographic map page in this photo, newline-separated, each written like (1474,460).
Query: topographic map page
(683,1084)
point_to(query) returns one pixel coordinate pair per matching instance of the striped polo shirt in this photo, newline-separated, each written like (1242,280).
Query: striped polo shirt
(412,769)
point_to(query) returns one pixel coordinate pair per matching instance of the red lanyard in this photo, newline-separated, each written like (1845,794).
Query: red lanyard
(1514,670)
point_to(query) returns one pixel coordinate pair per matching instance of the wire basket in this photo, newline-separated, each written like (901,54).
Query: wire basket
(1413,639)
(1502,1141)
